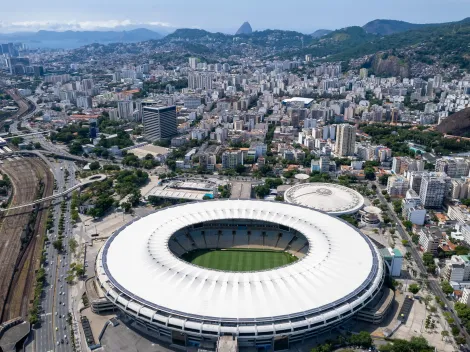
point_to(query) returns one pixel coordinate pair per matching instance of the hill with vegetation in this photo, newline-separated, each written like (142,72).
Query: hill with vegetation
(448,42)
(320,33)
(387,27)
(457,124)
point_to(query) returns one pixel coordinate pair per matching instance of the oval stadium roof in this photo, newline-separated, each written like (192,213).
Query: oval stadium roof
(340,266)
(328,197)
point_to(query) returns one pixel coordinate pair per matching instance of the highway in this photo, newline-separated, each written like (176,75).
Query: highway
(55,300)
(433,284)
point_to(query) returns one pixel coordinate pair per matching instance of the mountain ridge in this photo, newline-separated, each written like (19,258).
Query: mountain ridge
(74,38)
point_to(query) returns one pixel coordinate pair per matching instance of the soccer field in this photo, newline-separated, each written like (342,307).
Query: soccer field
(239,259)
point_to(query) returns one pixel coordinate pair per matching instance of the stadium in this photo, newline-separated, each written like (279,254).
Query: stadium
(328,197)
(266,274)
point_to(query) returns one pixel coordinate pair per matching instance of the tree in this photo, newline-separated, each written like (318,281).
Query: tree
(404,242)
(447,288)
(322,348)
(369,173)
(76,149)
(397,206)
(384,179)
(73,245)
(95,165)
(427,300)
(461,250)
(58,245)
(414,288)
(239,169)
(362,339)
(134,198)
(79,270)
(416,344)
(408,224)
(16,140)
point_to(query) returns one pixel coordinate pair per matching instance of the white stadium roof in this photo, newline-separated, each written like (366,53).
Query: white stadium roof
(342,267)
(328,197)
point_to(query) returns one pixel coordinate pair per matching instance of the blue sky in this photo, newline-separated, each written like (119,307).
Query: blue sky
(226,16)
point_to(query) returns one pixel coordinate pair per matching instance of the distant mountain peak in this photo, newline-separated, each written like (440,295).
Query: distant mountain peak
(245,29)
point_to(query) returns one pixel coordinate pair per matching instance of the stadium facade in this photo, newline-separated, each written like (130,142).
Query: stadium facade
(338,271)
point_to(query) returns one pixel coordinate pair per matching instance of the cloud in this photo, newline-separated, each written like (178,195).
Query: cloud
(28,26)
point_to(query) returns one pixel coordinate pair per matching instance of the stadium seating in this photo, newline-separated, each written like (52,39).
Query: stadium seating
(238,235)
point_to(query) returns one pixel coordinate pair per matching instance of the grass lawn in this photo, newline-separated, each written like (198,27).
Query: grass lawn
(239,259)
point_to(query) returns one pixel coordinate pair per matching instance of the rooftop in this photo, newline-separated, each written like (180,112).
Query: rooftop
(330,198)
(157,278)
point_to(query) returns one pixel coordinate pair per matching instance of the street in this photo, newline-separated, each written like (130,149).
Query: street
(433,284)
(50,336)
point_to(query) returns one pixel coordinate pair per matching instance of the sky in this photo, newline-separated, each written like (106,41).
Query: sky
(226,16)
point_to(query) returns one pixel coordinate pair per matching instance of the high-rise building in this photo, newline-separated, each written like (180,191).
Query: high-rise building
(430,88)
(437,81)
(125,109)
(159,122)
(345,140)
(200,80)
(453,167)
(324,164)
(17,65)
(192,102)
(113,114)
(87,84)
(38,71)
(84,102)
(397,186)
(415,180)
(434,188)
(430,238)
(232,158)
(402,164)
(363,73)
(193,62)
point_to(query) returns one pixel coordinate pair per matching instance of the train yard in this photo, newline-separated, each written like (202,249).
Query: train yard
(21,232)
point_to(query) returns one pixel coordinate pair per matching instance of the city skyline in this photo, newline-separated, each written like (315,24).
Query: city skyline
(165,16)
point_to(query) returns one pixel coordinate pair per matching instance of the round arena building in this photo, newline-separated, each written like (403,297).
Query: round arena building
(266,274)
(331,198)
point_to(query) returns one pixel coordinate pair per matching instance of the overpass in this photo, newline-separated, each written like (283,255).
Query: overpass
(91,179)
(41,154)
(25,134)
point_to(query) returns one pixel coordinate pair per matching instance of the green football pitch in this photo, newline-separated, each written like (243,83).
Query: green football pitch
(239,259)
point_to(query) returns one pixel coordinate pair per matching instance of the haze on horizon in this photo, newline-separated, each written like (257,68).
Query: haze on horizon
(165,15)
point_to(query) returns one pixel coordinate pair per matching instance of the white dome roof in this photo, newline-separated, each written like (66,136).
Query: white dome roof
(328,197)
(340,264)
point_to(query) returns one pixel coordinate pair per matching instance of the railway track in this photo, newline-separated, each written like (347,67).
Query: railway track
(25,106)
(21,293)
(25,185)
